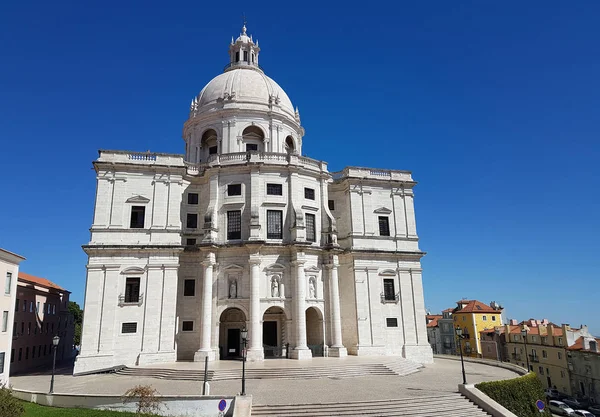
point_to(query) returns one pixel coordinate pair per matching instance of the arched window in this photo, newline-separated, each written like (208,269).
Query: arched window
(289,145)
(253,138)
(209,143)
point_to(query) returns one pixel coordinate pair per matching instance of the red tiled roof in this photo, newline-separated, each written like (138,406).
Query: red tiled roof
(434,320)
(578,345)
(448,310)
(39,281)
(474,306)
(556,331)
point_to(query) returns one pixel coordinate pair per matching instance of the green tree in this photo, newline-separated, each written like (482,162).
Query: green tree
(77,313)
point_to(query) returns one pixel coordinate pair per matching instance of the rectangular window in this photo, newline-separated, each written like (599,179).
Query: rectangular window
(384,226)
(24,305)
(493,318)
(311,233)
(192,221)
(234,225)
(53,308)
(331,204)
(389,292)
(187,326)
(560,341)
(193,198)
(559,355)
(246,56)
(31,307)
(20,354)
(29,328)
(37,307)
(213,150)
(309,193)
(5,321)
(541,368)
(137,217)
(234,189)
(132,290)
(190,242)
(189,287)
(484,318)
(8,283)
(391,322)
(1,362)
(274,189)
(274,224)
(17,305)
(251,147)
(128,328)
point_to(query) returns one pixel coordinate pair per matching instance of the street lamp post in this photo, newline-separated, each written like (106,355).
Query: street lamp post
(524,334)
(55,341)
(462,362)
(244,341)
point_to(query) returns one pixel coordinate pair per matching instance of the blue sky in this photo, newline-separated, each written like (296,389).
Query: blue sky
(493,106)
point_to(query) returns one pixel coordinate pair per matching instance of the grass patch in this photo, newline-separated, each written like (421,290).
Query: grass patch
(35,410)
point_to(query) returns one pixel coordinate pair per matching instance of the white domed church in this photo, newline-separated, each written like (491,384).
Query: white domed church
(243,232)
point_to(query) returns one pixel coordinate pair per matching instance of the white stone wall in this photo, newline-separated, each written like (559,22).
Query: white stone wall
(9,264)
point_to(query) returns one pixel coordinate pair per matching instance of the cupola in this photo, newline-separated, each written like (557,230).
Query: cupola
(243,53)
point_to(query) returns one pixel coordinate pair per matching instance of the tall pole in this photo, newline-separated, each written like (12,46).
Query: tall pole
(462,363)
(244,369)
(53,370)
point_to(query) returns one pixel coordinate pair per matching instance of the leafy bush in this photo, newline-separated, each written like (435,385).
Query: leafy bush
(9,405)
(145,396)
(518,395)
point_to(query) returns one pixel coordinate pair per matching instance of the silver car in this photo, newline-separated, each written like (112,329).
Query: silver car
(583,413)
(560,408)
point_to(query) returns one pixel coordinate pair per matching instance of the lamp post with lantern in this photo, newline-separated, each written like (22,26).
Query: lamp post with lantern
(459,333)
(55,341)
(245,342)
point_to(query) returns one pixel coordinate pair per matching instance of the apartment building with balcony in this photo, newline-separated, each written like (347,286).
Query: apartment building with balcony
(473,317)
(433,332)
(583,360)
(543,349)
(447,333)
(9,270)
(41,311)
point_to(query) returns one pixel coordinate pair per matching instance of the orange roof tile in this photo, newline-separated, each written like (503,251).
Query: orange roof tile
(474,306)
(578,345)
(448,310)
(434,320)
(39,281)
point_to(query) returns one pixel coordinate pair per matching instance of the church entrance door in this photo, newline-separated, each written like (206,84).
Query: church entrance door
(314,331)
(270,338)
(275,333)
(231,323)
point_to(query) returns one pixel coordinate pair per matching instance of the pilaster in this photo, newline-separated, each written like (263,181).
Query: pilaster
(205,350)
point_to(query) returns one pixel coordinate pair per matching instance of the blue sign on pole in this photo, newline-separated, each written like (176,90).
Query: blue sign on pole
(540,405)
(222,405)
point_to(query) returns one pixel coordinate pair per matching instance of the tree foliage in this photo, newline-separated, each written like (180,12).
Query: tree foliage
(77,313)
(9,405)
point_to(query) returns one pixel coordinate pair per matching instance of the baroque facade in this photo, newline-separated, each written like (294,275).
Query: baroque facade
(243,231)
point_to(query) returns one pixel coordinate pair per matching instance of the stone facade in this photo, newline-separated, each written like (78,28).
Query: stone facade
(583,358)
(9,271)
(242,231)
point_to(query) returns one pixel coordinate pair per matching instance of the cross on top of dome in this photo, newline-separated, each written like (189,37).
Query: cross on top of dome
(243,52)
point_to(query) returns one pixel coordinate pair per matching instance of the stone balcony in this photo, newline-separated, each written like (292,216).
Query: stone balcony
(140,158)
(373,174)
(246,158)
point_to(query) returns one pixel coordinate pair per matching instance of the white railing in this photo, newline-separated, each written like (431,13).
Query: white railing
(142,156)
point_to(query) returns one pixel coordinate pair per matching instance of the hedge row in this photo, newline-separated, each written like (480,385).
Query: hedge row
(518,395)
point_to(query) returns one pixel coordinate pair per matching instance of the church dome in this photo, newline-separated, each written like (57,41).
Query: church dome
(244,86)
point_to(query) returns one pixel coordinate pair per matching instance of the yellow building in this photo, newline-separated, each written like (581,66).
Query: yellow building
(472,317)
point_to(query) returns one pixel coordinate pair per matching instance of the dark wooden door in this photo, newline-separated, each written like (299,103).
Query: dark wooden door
(233,343)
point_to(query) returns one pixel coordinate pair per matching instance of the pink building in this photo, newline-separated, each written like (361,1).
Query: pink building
(41,312)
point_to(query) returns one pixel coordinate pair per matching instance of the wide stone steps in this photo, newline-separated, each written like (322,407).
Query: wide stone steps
(447,405)
(394,367)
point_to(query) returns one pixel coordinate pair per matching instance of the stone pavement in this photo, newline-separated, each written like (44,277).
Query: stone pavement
(442,376)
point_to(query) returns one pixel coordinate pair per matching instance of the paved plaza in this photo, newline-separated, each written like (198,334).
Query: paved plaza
(440,377)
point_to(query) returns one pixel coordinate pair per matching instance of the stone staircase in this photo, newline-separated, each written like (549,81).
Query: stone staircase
(447,405)
(385,367)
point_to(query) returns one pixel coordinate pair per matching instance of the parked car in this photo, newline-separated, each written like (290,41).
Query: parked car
(583,413)
(575,403)
(558,407)
(595,410)
(552,394)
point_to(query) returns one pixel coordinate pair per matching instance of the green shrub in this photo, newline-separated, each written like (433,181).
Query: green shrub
(9,405)
(146,398)
(518,395)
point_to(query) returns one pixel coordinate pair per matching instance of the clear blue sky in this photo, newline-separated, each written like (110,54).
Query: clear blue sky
(494,106)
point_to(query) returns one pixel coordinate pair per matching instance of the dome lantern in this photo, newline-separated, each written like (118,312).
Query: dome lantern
(243,52)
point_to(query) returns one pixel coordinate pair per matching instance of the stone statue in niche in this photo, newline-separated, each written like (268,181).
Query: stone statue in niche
(275,287)
(233,289)
(312,290)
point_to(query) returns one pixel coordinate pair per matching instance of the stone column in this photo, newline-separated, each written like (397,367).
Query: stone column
(205,331)
(301,350)
(255,350)
(337,348)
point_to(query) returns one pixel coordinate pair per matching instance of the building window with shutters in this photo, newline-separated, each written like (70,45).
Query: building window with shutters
(125,328)
(193,198)
(132,290)
(274,189)
(391,322)
(274,224)
(384,226)
(137,217)
(309,193)
(389,291)
(189,288)
(234,225)
(311,233)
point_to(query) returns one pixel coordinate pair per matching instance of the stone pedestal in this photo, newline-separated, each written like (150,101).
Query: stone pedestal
(337,352)
(201,354)
(418,353)
(301,353)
